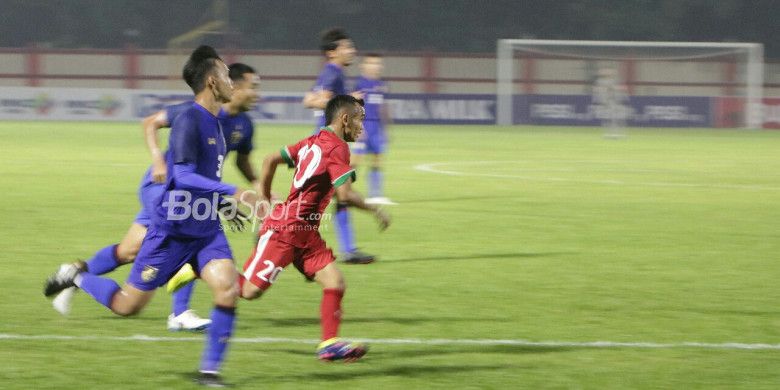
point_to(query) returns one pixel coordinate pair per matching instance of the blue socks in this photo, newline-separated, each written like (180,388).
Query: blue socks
(222,320)
(102,289)
(103,261)
(181,298)
(374,183)
(344,229)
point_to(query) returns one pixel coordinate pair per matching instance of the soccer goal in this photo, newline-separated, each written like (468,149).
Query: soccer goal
(657,80)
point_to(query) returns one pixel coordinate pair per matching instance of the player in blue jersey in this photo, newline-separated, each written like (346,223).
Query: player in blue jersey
(339,51)
(373,141)
(185,227)
(238,130)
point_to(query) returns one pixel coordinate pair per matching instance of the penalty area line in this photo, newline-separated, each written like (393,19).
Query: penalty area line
(431,342)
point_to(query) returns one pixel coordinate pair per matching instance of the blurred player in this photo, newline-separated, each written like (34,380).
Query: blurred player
(373,141)
(184,226)
(339,51)
(611,96)
(238,130)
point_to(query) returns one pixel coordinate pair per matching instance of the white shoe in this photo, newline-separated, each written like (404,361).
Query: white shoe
(187,321)
(63,300)
(380,200)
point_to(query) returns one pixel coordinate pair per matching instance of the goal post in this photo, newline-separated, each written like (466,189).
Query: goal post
(733,71)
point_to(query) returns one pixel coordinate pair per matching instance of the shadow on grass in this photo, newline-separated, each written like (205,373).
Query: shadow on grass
(357,371)
(480,256)
(457,199)
(312,321)
(384,352)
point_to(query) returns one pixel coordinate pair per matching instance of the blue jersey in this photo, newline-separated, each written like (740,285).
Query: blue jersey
(196,139)
(374,96)
(238,130)
(174,110)
(330,79)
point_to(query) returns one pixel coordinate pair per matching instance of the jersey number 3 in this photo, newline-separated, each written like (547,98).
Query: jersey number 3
(309,158)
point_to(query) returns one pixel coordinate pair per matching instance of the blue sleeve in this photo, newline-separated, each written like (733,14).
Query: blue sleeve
(360,85)
(246,145)
(186,179)
(329,80)
(173,111)
(185,140)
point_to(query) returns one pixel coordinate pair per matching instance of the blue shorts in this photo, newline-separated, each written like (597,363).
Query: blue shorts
(149,194)
(162,255)
(373,140)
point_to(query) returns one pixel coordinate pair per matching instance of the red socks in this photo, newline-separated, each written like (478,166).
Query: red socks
(330,312)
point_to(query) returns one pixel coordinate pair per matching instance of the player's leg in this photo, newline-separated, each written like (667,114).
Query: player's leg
(375,176)
(216,268)
(262,267)
(125,301)
(373,148)
(104,261)
(159,257)
(182,317)
(317,263)
(331,280)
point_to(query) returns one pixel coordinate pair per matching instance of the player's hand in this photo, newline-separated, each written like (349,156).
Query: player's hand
(383,218)
(159,171)
(248,197)
(358,95)
(228,209)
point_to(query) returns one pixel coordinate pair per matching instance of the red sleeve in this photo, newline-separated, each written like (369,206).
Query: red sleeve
(290,153)
(338,166)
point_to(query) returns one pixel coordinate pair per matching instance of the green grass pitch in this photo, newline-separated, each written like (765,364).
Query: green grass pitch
(539,234)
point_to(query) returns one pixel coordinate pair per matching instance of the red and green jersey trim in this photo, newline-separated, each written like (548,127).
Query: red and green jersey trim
(343,178)
(286,157)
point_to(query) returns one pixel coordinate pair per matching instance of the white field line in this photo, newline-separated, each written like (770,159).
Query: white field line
(445,342)
(434,168)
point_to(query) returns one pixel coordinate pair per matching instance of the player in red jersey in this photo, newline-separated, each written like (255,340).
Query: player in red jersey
(290,233)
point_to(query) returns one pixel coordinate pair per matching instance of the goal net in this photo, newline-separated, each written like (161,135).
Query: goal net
(675,84)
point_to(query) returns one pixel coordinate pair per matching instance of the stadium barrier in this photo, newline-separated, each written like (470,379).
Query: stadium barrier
(101,104)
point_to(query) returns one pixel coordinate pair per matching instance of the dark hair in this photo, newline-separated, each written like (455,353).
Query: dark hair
(329,39)
(372,55)
(338,103)
(238,70)
(198,67)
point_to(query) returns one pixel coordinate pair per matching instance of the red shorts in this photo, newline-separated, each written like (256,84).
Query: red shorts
(275,251)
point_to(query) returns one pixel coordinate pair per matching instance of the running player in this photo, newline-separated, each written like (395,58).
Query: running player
(339,51)
(374,140)
(183,230)
(238,130)
(290,234)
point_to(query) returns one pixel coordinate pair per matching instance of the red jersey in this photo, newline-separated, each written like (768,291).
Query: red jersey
(321,164)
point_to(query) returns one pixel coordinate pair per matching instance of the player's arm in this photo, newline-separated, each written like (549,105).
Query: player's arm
(345,194)
(185,144)
(342,176)
(243,158)
(247,170)
(267,172)
(151,125)
(317,99)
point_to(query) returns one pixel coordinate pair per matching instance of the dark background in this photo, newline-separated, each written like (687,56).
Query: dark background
(393,25)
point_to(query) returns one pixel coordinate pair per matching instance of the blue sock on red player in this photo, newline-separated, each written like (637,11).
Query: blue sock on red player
(222,321)
(344,229)
(374,183)
(102,289)
(103,261)
(181,298)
